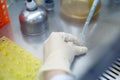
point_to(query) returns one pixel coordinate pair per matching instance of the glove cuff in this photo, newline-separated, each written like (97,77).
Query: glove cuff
(56,61)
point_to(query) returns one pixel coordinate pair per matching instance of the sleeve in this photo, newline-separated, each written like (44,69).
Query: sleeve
(63,77)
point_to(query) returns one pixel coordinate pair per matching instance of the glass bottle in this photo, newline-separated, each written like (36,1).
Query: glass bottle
(78,9)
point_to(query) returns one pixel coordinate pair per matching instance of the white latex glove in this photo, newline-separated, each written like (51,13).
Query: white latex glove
(59,50)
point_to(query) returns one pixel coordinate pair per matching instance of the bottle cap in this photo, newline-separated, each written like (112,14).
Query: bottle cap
(31,5)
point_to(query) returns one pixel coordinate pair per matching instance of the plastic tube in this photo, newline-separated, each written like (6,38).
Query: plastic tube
(85,28)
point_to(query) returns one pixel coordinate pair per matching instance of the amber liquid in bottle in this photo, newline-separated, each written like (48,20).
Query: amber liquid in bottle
(78,9)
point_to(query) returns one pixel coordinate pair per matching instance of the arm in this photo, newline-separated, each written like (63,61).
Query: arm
(50,74)
(59,51)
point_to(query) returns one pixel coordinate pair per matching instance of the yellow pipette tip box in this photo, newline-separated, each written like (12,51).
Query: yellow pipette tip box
(16,63)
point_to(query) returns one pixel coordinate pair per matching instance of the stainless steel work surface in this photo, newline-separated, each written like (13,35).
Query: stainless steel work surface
(102,32)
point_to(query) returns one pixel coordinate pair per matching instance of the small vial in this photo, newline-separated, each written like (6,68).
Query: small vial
(49,5)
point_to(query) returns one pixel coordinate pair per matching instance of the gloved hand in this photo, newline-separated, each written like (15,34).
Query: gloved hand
(59,50)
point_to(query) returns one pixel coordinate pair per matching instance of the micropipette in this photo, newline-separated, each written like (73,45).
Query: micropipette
(85,28)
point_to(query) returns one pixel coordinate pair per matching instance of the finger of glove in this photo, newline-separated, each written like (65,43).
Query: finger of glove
(80,50)
(70,38)
(77,50)
(65,36)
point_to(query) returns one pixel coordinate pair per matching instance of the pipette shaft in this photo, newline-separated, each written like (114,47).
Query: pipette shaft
(85,28)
